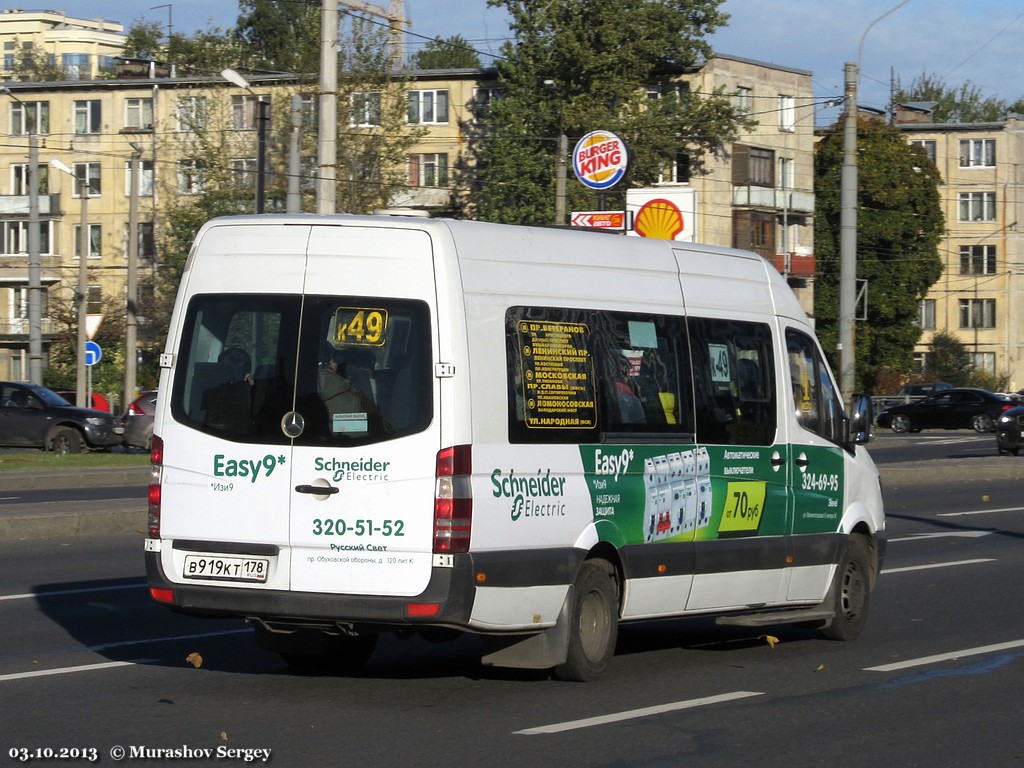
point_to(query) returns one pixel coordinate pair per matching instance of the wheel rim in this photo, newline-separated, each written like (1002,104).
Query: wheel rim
(595,621)
(982,423)
(900,423)
(853,592)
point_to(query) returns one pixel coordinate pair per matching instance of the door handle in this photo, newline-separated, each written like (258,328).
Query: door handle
(317,490)
(801,461)
(777,461)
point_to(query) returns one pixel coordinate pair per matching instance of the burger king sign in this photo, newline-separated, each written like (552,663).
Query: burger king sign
(600,159)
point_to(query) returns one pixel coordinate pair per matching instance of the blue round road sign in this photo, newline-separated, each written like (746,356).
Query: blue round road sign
(93,353)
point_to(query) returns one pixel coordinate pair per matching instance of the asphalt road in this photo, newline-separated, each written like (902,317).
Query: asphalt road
(89,662)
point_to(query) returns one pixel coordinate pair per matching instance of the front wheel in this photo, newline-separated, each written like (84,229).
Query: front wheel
(850,592)
(65,440)
(593,623)
(983,423)
(900,423)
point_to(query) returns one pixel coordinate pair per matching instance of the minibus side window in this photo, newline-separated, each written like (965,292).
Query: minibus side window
(734,381)
(815,399)
(586,375)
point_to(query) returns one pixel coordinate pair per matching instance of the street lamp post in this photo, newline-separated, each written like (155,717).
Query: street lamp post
(83,280)
(848,223)
(131,289)
(262,117)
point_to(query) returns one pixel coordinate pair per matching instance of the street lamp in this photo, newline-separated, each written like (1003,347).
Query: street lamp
(35,326)
(848,223)
(83,279)
(261,133)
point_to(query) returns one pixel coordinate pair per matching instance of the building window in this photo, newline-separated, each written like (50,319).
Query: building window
(984,361)
(145,178)
(483,97)
(977,153)
(191,177)
(76,66)
(243,170)
(19,179)
(192,113)
(754,231)
(926,314)
(928,145)
(138,114)
(977,313)
(15,238)
(94,300)
(977,259)
(245,111)
(29,117)
(787,113)
(753,166)
(677,171)
(147,242)
(95,241)
(977,206)
(428,106)
(365,109)
(87,116)
(90,172)
(743,100)
(921,362)
(787,173)
(428,170)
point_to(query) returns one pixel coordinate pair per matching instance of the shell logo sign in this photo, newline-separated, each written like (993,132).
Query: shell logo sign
(600,159)
(659,218)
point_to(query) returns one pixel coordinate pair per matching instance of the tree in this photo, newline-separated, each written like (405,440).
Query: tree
(453,52)
(899,226)
(574,67)
(960,104)
(280,35)
(949,360)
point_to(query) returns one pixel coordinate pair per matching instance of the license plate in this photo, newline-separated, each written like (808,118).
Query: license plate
(226,568)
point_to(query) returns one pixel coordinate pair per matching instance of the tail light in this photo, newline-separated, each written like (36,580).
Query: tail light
(453,500)
(156,459)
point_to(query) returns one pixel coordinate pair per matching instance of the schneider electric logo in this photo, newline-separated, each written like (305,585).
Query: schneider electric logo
(361,470)
(534,496)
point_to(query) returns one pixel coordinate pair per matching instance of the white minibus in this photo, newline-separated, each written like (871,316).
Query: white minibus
(400,424)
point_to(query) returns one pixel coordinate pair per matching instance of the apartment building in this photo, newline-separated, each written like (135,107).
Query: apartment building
(980,297)
(758,195)
(80,48)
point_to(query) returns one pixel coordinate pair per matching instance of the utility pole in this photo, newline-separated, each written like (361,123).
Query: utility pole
(848,239)
(293,201)
(132,291)
(327,142)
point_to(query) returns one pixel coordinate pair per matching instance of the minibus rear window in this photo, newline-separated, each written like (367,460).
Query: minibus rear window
(357,371)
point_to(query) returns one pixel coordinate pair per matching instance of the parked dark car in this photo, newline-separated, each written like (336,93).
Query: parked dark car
(36,417)
(1010,430)
(963,408)
(138,420)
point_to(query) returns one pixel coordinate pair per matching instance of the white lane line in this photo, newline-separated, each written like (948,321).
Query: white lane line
(69,670)
(944,535)
(952,656)
(148,640)
(980,512)
(60,592)
(938,565)
(633,714)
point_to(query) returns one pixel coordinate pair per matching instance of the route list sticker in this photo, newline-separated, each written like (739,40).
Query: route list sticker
(557,375)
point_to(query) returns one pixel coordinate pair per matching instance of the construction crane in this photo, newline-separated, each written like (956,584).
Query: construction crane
(395,17)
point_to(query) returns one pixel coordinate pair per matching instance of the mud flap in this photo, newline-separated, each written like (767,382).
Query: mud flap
(541,650)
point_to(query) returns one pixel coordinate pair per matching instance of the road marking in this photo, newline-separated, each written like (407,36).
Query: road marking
(69,670)
(952,656)
(148,640)
(60,592)
(938,565)
(980,512)
(944,535)
(633,714)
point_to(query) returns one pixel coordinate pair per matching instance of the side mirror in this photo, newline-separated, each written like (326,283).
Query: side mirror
(862,419)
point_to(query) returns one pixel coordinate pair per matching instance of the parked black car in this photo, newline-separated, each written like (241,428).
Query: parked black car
(36,417)
(1010,430)
(963,408)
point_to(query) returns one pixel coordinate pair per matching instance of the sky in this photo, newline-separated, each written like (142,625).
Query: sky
(980,41)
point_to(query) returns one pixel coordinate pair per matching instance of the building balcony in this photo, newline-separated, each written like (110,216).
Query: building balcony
(769,197)
(16,206)
(16,331)
(797,264)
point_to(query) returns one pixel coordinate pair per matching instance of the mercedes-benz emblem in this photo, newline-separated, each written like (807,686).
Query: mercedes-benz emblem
(292,424)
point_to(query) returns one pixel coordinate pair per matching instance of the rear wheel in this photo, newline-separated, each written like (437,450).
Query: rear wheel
(593,623)
(900,423)
(65,440)
(850,592)
(983,423)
